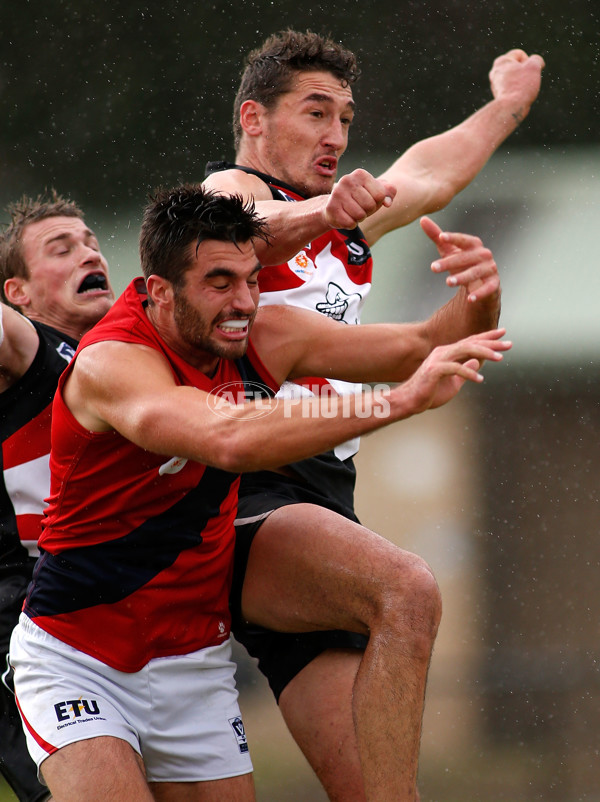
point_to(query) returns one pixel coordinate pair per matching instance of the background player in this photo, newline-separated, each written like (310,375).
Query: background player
(55,287)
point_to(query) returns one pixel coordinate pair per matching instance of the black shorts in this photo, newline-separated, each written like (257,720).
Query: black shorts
(280,655)
(16,766)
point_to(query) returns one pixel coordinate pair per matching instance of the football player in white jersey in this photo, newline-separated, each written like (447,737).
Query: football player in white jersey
(292,117)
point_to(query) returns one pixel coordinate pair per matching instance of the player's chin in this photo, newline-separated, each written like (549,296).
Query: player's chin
(233,350)
(319,185)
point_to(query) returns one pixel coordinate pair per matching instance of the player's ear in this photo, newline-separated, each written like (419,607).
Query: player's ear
(160,291)
(15,290)
(251,117)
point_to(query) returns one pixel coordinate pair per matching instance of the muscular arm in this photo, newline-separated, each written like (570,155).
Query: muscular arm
(18,346)
(293,225)
(299,343)
(137,396)
(430,173)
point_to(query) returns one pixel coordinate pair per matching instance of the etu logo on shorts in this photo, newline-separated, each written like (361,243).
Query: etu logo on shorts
(237,725)
(75,708)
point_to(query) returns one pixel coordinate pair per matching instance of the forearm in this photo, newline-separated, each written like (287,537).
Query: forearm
(291,227)
(431,172)
(299,428)
(460,318)
(450,161)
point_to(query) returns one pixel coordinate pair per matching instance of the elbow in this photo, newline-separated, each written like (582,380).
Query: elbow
(441,195)
(233,452)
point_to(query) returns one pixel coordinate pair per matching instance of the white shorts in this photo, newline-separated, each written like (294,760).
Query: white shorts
(179,713)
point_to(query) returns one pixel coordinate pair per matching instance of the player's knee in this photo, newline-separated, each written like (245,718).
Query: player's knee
(413,605)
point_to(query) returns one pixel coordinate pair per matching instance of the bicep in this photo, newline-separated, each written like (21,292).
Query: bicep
(120,386)
(296,342)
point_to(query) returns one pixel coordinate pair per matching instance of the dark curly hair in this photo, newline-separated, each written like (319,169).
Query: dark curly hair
(176,218)
(270,69)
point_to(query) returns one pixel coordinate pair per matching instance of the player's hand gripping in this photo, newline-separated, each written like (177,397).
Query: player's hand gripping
(467,261)
(448,367)
(356,196)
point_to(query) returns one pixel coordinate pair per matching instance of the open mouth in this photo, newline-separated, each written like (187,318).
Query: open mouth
(93,282)
(234,326)
(327,165)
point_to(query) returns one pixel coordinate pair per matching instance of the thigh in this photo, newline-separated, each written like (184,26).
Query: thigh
(96,770)
(232,789)
(310,568)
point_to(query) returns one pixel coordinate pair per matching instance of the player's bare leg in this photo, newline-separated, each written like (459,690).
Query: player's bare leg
(232,789)
(317,707)
(312,569)
(96,769)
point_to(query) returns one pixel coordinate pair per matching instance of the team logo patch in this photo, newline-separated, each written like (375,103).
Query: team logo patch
(174,465)
(77,711)
(302,266)
(66,351)
(337,302)
(237,725)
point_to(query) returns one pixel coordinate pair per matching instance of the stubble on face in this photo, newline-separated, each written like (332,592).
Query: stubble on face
(197,333)
(296,141)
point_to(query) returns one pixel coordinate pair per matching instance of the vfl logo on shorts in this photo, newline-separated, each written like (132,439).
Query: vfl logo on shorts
(237,725)
(77,711)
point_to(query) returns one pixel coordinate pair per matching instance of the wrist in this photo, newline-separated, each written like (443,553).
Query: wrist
(513,108)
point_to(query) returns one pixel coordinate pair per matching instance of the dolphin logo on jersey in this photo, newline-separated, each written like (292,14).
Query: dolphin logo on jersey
(337,302)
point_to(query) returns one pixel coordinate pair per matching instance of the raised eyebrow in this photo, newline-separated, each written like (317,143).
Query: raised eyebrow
(319,97)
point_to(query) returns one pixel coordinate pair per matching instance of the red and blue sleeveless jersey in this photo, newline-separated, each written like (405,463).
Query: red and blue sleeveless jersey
(136,549)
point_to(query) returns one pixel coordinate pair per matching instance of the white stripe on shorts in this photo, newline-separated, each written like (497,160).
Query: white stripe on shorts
(252,519)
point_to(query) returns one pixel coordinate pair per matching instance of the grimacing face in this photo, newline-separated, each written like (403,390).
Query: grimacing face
(214,310)
(306,133)
(68,285)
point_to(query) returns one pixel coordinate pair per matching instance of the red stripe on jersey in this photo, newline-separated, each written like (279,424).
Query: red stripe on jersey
(277,277)
(29,526)
(30,441)
(317,385)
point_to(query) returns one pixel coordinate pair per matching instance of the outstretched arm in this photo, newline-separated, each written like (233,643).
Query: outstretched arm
(430,173)
(131,388)
(292,341)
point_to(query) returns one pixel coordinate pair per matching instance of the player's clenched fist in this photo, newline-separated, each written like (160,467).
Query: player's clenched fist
(356,196)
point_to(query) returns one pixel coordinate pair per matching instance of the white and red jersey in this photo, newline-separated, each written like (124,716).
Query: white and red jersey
(25,412)
(331,275)
(136,550)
